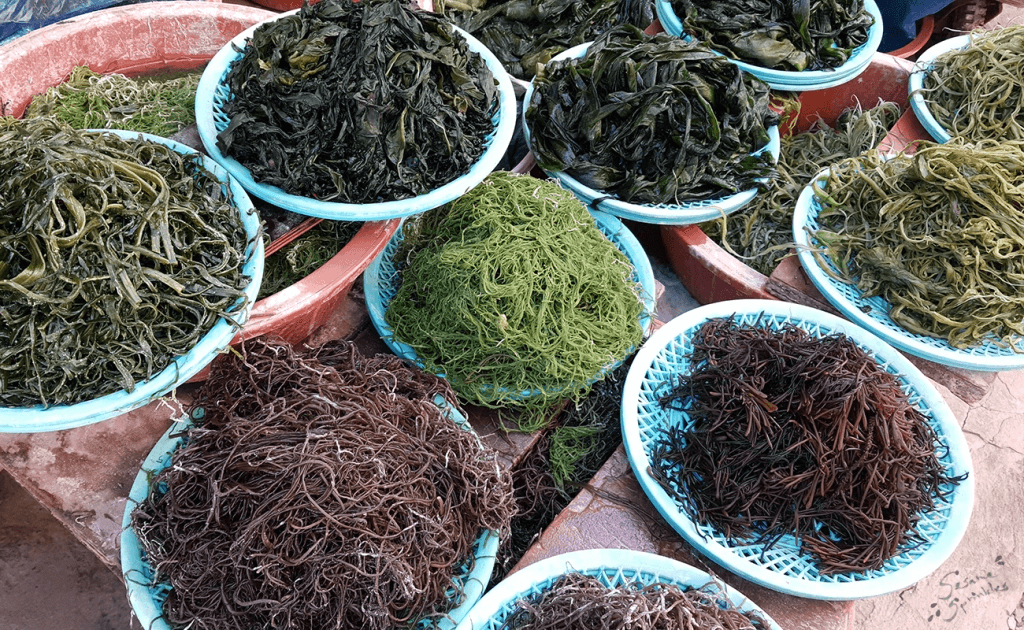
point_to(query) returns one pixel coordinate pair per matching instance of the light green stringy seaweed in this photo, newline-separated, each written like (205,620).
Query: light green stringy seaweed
(512,288)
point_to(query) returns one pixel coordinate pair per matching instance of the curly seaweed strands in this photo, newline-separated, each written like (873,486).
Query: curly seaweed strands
(525,34)
(88,100)
(799,36)
(511,289)
(322,489)
(116,257)
(305,255)
(761,233)
(798,435)
(577,601)
(938,235)
(977,93)
(652,119)
(358,102)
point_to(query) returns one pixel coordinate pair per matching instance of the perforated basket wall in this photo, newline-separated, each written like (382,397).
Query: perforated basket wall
(213,93)
(791,80)
(382,280)
(613,567)
(784,567)
(662,213)
(147,596)
(873,313)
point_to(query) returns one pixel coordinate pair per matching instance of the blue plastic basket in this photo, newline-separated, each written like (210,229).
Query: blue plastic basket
(613,567)
(784,567)
(662,214)
(382,279)
(916,85)
(873,313)
(147,596)
(213,93)
(791,80)
(59,417)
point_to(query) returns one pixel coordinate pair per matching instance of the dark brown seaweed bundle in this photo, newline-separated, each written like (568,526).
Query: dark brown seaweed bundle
(799,36)
(116,257)
(651,119)
(358,102)
(525,33)
(321,489)
(578,601)
(798,435)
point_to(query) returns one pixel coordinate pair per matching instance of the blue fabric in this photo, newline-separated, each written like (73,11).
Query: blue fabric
(899,17)
(18,17)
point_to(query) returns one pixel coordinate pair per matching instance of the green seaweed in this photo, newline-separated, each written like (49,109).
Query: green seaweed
(304,255)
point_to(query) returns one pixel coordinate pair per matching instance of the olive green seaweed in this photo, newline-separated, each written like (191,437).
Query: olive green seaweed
(116,256)
(977,92)
(88,100)
(305,255)
(761,233)
(512,288)
(939,235)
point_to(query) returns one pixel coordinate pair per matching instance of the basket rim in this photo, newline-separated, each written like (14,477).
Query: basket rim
(140,596)
(659,214)
(961,498)
(627,244)
(922,67)
(37,419)
(792,80)
(876,319)
(591,562)
(497,143)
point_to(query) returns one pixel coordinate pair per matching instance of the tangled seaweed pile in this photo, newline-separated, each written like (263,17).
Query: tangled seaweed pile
(939,235)
(512,288)
(358,102)
(776,34)
(525,34)
(88,100)
(651,119)
(577,600)
(304,255)
(977,92)
(319,489)
(802,436)
(116,257)
(761,233)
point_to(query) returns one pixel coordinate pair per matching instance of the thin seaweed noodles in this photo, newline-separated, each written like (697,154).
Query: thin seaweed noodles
(358,102)
(977,93)
(794,36)
(319,489)
(761,233)
(525,34)
(652,119)
(939,235)
(513,289)
(578,600)
(791,434)
(116,257)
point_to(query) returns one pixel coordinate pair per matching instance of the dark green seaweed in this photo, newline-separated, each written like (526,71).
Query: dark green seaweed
(116,256)
(651,119)
(780,35)
(523,34)
(358,102)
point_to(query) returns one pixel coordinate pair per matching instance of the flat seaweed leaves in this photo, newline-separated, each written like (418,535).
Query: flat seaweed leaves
(791,434)
(116,257)
(651,119)
(358,102)
(320,489)
(525,34)
(515,295)
(977,92)
(939,235)
(577,600)
(798,36)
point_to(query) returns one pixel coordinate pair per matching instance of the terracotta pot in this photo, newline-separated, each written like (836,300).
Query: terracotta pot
(141,39)
(710,273)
